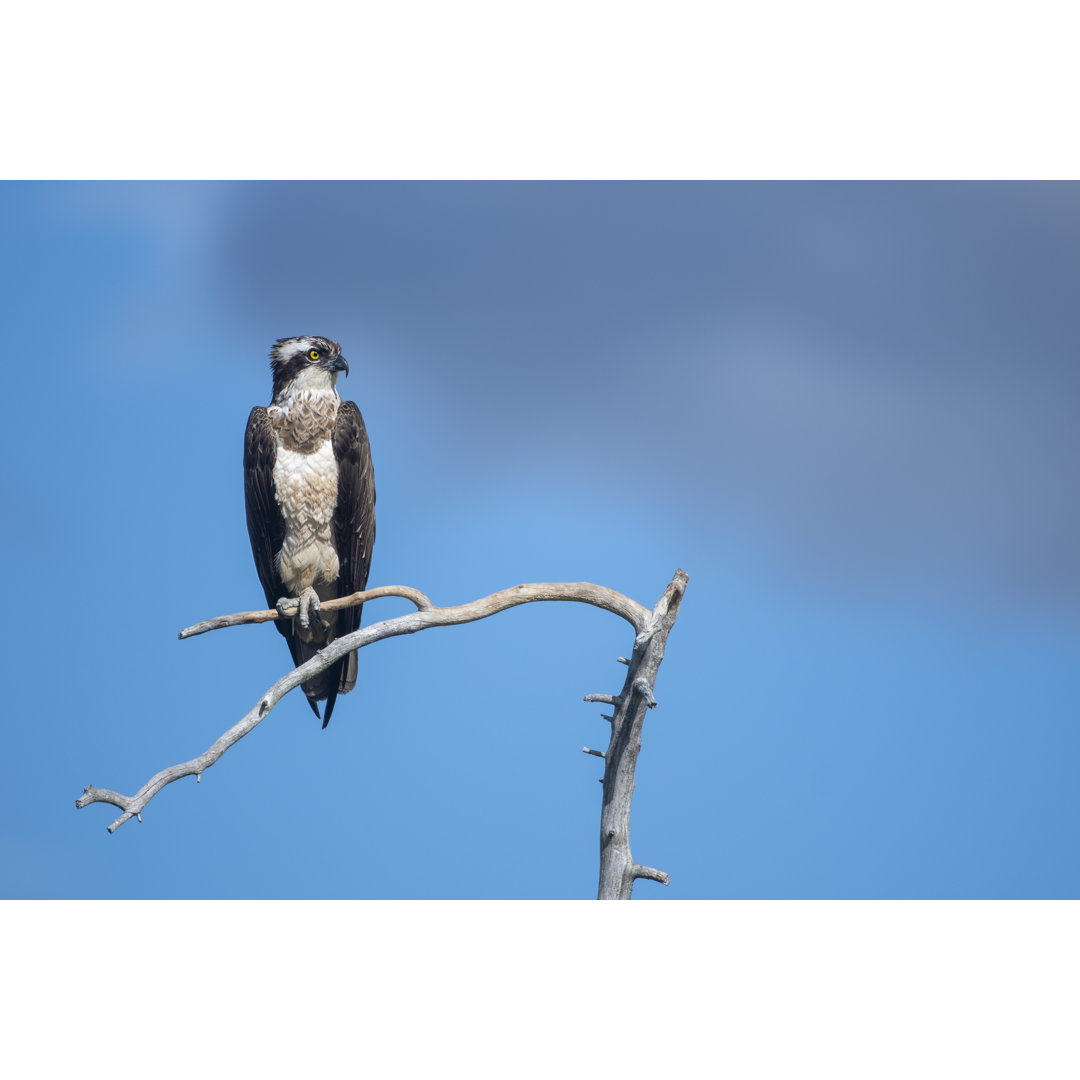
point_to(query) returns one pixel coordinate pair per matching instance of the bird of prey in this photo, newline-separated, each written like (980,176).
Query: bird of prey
(310,496)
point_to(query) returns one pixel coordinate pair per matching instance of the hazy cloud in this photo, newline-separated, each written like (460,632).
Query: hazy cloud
(879,377)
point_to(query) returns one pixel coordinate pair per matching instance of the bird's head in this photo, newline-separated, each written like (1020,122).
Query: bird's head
(306,363)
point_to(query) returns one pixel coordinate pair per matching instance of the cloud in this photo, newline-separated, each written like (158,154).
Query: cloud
(874,379)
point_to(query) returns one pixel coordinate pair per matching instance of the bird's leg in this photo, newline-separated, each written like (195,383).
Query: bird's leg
(302,607)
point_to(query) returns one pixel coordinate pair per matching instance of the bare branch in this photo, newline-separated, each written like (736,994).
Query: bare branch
(424,618)
(618,871)
(581,591)
(242,617)
(651,874)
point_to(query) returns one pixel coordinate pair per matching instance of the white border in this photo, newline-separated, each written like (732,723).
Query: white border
(587,89)
(536,989)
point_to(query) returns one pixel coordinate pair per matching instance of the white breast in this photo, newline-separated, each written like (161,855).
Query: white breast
(306,486)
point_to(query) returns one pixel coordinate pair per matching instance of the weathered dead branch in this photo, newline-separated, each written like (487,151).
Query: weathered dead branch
(242,617)
(651,629)
(618,870)
(580,591)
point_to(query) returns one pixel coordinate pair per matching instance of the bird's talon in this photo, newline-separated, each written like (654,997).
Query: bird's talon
(309,605)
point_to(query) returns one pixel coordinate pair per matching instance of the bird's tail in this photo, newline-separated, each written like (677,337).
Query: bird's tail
(339,678)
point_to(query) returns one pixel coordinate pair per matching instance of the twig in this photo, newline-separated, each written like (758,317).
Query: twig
(651,874)
(242,617)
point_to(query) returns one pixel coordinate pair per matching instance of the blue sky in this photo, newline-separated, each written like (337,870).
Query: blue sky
(847,410)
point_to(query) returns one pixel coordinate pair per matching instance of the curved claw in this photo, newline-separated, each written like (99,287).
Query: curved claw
(309,606)
(303,608)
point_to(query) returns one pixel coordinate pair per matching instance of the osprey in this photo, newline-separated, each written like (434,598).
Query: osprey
(310,496)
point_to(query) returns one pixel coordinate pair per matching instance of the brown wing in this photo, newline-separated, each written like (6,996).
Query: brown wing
(266,526)
(266,531)
(354,520)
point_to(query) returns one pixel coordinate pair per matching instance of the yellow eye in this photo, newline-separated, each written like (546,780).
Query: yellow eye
(314,354)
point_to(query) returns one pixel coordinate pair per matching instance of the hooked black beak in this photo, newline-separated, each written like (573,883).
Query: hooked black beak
(339,363)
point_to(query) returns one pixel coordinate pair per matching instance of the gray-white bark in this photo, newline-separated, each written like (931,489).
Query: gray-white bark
(618,871)
(651,630)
